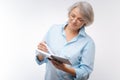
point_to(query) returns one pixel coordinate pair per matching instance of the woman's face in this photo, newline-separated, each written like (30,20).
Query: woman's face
(75,21)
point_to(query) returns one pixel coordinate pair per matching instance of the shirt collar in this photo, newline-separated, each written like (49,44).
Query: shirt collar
(81,31)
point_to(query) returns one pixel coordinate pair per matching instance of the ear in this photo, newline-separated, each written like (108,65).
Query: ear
(84,24)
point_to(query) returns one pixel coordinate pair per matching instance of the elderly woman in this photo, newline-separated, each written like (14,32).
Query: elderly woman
(69,40)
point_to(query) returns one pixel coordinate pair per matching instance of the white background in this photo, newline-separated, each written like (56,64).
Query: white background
(23,23)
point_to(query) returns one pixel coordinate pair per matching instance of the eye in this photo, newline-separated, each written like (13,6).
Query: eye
(80,19)
(72,15)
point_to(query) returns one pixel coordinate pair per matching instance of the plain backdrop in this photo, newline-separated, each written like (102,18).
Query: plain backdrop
(23,24)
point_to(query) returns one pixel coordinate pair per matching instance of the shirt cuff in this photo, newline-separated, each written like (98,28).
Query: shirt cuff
(81,74)
(40,61)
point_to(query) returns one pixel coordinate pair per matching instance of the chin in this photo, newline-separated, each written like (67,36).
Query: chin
(74,26)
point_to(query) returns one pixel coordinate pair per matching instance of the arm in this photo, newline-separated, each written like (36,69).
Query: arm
(63,67)
(40,58)
(84,68)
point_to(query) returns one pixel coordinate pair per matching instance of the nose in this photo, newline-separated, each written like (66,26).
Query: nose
(74,20)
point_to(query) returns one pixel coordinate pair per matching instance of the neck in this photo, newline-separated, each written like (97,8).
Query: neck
(67,29)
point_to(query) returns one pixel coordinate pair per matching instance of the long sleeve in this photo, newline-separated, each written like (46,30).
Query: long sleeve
(80,51)
(84,69)
(38,61)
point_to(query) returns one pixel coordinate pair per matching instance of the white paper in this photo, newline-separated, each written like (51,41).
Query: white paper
(43,53)
(54,57)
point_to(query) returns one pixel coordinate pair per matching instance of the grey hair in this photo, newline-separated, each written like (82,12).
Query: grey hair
(85,10)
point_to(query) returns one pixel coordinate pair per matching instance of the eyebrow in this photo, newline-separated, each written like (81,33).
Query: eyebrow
(75,15)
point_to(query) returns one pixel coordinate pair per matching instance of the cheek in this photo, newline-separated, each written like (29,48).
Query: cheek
(79,25)
(69,20)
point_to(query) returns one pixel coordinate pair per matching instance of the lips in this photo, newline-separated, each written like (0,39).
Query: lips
(73,24)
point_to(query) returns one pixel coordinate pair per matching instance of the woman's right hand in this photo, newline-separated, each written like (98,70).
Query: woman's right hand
(41,46)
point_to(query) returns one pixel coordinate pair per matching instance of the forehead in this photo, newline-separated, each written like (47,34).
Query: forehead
(76,11)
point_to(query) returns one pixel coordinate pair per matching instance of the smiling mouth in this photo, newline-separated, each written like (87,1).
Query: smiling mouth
(73,24)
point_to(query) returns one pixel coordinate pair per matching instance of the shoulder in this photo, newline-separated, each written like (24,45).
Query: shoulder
(56,27)
(90,41)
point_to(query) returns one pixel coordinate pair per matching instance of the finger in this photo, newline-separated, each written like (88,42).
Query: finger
(43,43)
(56,65)
(49,58)
(55,62)
(42,47)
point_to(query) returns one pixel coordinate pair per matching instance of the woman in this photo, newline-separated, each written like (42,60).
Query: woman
(70,41)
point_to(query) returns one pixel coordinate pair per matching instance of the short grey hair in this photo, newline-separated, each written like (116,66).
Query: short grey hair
(85,10)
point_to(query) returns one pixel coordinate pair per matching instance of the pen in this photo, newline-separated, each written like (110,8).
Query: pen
(49,49)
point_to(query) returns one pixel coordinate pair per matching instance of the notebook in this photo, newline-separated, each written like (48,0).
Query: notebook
(50,55)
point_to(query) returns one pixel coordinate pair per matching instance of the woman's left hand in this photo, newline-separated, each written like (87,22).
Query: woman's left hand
(63,67)
(59,65)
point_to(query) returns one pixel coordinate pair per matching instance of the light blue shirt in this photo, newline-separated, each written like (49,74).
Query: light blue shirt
(80,51)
